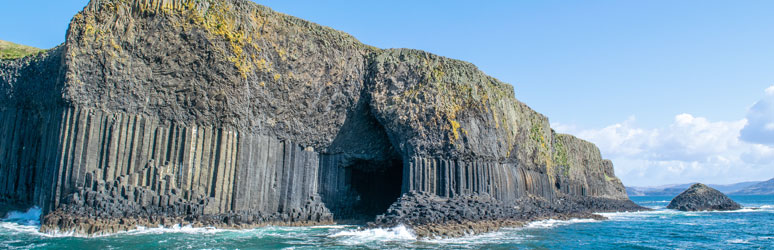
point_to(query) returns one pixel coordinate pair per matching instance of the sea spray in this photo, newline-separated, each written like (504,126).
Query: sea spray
(550,223)
(360,236)
(31,217)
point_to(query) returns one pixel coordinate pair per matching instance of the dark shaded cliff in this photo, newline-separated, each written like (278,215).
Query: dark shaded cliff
(227,113)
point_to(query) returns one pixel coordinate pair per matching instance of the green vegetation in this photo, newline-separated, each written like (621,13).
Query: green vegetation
(560,156)
(536,134)
(9,50)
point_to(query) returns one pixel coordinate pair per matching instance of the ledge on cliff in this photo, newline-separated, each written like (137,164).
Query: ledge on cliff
(227,113)
(9,50)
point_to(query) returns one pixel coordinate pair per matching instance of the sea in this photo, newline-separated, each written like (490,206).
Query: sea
(749,228)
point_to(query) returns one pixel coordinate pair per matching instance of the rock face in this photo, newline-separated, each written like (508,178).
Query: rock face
(700,197)
(227,113)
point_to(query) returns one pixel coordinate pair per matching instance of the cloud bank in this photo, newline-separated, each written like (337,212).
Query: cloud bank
(760,121)
(689,149)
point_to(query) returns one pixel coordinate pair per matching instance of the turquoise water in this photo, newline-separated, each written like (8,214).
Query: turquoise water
(659,229)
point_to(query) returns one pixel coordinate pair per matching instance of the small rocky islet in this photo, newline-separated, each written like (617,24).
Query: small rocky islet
(700,197)
(229,114)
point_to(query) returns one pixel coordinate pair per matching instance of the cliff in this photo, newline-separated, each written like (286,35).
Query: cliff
(227,113)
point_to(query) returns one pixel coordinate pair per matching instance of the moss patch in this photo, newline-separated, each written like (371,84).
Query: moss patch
(9,50)
(560,157)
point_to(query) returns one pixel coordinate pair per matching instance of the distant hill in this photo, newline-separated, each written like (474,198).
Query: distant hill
(673,190)
(761,188)
(9,50)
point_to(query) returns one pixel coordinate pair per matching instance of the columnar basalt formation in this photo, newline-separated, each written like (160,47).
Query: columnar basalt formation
(227,113)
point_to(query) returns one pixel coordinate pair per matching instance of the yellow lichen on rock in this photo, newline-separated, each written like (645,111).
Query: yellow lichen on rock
(455,126)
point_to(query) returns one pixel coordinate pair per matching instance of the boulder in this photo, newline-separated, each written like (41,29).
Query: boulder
(700,197)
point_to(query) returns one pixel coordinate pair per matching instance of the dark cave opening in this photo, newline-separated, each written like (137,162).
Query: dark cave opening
(376,185)
(362,171)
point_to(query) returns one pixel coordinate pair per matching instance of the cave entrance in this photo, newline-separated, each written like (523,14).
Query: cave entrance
(362,171)
(375,185)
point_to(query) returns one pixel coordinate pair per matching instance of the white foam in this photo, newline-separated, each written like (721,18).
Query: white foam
(627,216)
(743,210)
(18,228)
(495,237)
(357,237)
(767,207)
(332,226)
(31,217)
(186,229)
(651,202)
(554,223)
(738,241)
(140,230)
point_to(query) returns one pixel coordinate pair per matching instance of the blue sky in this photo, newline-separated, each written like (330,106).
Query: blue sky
(617,73)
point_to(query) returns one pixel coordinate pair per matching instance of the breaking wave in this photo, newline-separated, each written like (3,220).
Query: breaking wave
(550,223)
(30,218)
(357,236)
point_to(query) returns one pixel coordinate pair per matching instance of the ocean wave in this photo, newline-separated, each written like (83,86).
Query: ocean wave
(550,223)
(738,241)
(17,222)
(331,226)
(764,208)
(357,236)
(185,229)
(496,237)
(661,213)
(14,227)
(653,202)
(31,217)
(139,230)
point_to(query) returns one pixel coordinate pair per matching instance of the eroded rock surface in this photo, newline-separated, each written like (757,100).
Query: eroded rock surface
(700,197)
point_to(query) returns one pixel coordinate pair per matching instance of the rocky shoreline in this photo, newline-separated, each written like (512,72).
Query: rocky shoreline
(61,222)
(446,218)
(430,216)
(427,215)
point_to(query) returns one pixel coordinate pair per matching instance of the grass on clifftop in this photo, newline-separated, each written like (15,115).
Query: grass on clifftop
(9,50)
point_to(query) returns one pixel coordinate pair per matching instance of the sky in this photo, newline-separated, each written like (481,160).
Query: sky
(671,91)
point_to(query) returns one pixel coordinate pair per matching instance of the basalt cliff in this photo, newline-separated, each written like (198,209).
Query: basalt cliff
(229,114)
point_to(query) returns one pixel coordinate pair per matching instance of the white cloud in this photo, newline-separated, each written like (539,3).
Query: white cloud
(760,126)
(770,90)
(689,149)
